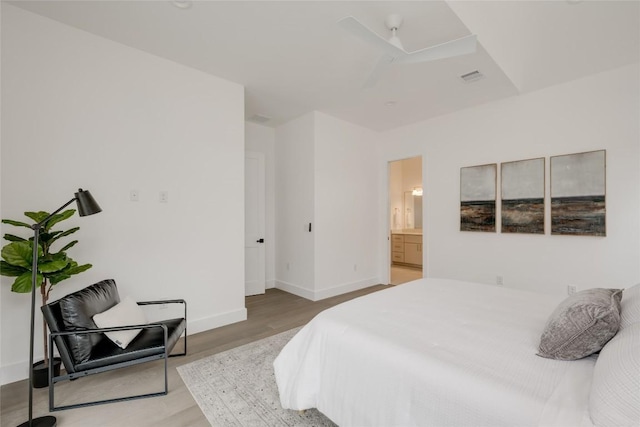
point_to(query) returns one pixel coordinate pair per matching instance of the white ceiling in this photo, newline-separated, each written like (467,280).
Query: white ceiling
(292,58)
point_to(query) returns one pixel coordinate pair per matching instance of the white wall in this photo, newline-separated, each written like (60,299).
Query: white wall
(346,198)
(295,206)
(325,174)
(81,111)
(261,139)
(597,112)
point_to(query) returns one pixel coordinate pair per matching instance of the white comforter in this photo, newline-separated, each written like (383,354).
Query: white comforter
(434,352)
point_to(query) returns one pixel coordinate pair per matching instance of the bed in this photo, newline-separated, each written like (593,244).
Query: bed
(435,352)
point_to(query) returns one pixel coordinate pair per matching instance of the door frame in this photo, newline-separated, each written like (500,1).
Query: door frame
(387,206)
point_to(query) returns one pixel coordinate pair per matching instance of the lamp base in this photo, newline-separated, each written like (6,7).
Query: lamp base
(47,421)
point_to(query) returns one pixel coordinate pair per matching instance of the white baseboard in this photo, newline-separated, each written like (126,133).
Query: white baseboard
(270,284)
(20,370)
(212,322)
(326,293)
(14,372)
(347,287)
(294,289)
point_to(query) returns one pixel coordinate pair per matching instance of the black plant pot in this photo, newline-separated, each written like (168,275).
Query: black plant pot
(41,372)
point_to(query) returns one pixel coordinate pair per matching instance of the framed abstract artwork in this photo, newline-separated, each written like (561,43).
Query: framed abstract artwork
(478,198)
(578,183)
(522,185)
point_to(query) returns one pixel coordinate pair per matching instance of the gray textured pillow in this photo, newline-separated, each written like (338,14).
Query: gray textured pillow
(630,306)
(581,325)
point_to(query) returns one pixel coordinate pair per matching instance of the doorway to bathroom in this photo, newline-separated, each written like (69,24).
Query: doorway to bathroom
(405,220)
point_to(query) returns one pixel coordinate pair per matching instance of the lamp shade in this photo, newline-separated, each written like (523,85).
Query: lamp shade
(87,205)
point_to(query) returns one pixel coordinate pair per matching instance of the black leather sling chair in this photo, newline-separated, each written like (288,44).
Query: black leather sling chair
(85,350)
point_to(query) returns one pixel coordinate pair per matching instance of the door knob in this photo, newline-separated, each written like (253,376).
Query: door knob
(260,241)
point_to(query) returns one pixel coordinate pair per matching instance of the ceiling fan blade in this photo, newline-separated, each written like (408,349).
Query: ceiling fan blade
(359,30)
(461,46)
(381,65)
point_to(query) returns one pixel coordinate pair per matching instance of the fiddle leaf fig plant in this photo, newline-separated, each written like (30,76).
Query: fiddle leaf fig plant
(53,266)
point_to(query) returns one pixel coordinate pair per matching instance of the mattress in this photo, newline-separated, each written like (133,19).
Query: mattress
(434,352)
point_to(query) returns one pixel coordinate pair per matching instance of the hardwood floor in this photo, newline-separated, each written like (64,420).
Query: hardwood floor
(269,314)
(402,274)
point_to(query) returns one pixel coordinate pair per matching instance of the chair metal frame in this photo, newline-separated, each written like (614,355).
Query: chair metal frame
(75,375)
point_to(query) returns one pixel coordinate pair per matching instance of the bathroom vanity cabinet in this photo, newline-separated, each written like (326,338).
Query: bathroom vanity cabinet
(406,248)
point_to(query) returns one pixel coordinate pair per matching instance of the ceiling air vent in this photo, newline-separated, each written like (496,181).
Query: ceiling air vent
(258,118)
(472,76)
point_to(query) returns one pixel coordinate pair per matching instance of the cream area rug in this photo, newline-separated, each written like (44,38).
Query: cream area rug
(237,388)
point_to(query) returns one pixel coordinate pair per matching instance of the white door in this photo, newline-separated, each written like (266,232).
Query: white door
(254,223)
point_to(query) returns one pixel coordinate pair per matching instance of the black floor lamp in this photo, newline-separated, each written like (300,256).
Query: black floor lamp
(86,206)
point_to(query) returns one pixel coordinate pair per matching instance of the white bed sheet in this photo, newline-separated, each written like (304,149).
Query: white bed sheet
(434,352)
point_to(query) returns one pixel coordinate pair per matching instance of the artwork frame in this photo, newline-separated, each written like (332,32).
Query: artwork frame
(478,189)
(578,194)
(522,184)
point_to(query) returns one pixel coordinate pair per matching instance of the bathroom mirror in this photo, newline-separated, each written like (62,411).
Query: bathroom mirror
(412,210)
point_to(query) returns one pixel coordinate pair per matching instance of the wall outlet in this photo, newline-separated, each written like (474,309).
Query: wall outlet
(355,267)
(287,266)
(134,195)
(163,197)
(571,289)
(499,281)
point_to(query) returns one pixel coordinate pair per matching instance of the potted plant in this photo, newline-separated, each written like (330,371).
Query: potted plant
(53,267)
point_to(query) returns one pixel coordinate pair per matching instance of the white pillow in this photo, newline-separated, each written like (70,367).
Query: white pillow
(615,391)
(126,313)
(630,306)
